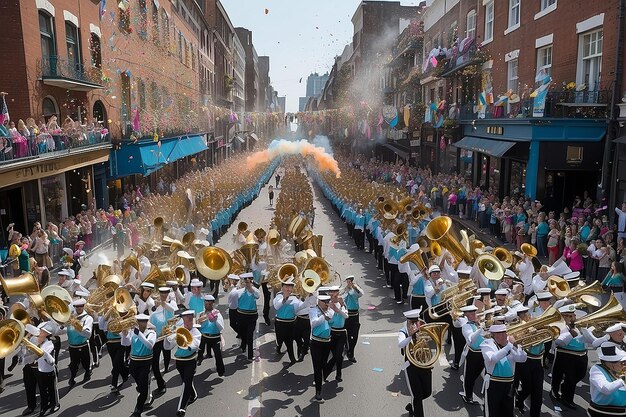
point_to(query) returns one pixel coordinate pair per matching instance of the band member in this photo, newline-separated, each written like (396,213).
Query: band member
(144,300)
(359,228)
(544,301)
(502,296)
(500,357)
(46,375)
(193,299)
(186,359)
(338,335)
(163,312)
(247,314)
(613,334)
(176,295)
(474,362)
(419,379)
(570,362)
(606,383)
(30,370)
(141,340)
(320,317)
(433,287)
(416,284)
(530,373)
(302,331)
(351,295)
(212,325)
(233,301)
(286,304)
(78,334)
(116,353)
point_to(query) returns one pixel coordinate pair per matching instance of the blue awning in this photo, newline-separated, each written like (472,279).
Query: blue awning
(495,148)
(146,156)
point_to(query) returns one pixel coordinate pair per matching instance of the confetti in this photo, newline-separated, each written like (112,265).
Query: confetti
(371,307)
(267,11)
(240,392)
(394,394)
(365,343)
(332,245)
(265,375)
(377,369)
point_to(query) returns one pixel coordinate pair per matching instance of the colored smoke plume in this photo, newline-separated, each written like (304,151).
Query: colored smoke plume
(324,161)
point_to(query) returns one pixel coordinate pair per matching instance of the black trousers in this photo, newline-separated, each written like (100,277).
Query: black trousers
(459,342)
(267,294)
(284,334)
(116,352)
(30,385)
(338,339)
(379,256)
(400,283)
(247,324)
(419,301)
(47,389)
(79,355)
(474,365)
(352,327)
(499,399)
(232,320)
(156,362)
(568,370)
(212,343)
(359,239)
(530,375)
(95,343)
(187,370)
(140,371)
(302,335)
(56,342)
(370,241)
(319,357)
(420,384)
(387,270)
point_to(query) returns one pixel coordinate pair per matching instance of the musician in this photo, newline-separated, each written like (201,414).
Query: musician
(193,299)
(186,359)
(247,314)
(302,330)
(570,362)
(30,370)
(530,373)
(473,358)
(419,379)
(175,295)
(233,301)
(211,329)
(502,296)
(163,311)
(144,300)
(416,285)
(388,268)
(46,375)
(338,335)
(359,229)
(541,279)
(78,340)
(500,357)
(613,334)
(116,353)
(351,295)
(433,287)
(320,317)
(606,383)
(526,270)
(141,341)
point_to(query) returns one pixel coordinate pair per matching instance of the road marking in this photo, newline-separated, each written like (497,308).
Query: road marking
(254,404)
(379,335)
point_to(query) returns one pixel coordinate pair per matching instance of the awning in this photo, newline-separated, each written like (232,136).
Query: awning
(495,148)
(147,156)
(396,149)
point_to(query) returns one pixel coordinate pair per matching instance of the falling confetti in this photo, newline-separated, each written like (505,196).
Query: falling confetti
(267,11)
(377,369)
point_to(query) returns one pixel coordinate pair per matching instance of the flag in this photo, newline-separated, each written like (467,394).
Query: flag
(4,113)
(103,8)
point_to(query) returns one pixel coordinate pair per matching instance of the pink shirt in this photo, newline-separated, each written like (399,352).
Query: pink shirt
(574,258)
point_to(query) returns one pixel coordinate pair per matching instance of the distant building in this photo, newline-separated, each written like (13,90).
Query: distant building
(282,103)
(302,103)
(252,69)
(314,87)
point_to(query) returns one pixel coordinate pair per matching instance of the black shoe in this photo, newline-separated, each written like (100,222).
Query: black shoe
(193,399)
(409,408)
(161,391)
(318,396)
(454,367)
(267,321)
(520,406)
(43,412)
(96,364)
(569,405)
(300,358)
(27,411)
(55,409)
(278,350)
(124,379)
(338,379)
(209,355)
(555,395)
(87,377)
(71,382)
(468,400)
(400,302)
(199,362)
(352,359)
(180,413)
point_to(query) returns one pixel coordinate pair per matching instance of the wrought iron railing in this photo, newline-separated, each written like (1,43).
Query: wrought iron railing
(54,66)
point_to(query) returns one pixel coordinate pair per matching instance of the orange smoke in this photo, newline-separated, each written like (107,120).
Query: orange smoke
(324,161)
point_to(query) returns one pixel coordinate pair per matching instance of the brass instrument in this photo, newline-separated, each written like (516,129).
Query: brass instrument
(129,262)
(250,250)
(156,276)
(558,286)
(528,250)
(310,281)
(260,234)
(168,329)
(424,350)
(183,338)
(102,271)
(416,257)
(158,223)
(320,266)
(57,309)
(75,323)
(587,294)
(538,330)
(18,312)
(118,325)
(242,227)
(490,267)
(435,249)
(12,336)
(440,230)
(101,298)
(287,270)
(182,275)
(213,263)
(610,313)
(456,298)
(273,237)
(58,291)
(504,256)
(188,239)
(26,283)
(390,209)
(314,242)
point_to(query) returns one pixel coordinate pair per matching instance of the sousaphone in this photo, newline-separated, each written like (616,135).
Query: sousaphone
(213,263)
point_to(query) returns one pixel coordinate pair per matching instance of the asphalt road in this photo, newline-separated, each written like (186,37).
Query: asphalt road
(374,386)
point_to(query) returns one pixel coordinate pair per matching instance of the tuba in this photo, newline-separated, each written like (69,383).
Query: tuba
(587,294)
(12,336)
(610,313)
(504,256)
(440,230)
(19,312)
(213,263)
(128,262)
(103,271)
(453,298)
(490,267)
(242,227)
(182,275)
(423,351)
(102,297)
(415,257)
(319,266)
(287,270)
(24,284)
(310,281)
(558,286)
(273,237)
(156,276)
(538,330)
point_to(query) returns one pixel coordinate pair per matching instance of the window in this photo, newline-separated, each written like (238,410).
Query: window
(125,96)
(590,59)
(73,49)
(141,87)
(547,3)
(154,96)
(544,60)
(143,20)
(96,52)
(514,13)
(124,17)
(489,22)
(155,23)
(470,28)
(49,108)
(165,22)
(47,35)
(512,75)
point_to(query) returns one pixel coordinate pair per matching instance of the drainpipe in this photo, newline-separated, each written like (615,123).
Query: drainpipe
(609,163)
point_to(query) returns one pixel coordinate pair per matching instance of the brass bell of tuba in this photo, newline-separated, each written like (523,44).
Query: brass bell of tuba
(504,256)
(183,338)
(18,312)
(12,336)
(587,294)
(310,281)
(287,270)
(129,262)
(558,286)
(490,267)
(609,314)
(24,284)
(242,227)
(320,266)
(415,257)
(182,275)
(440,230)
(213,263)
(424,350)
(273,237)
(102,271)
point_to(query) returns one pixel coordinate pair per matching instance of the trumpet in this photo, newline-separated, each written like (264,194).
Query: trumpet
(168,329)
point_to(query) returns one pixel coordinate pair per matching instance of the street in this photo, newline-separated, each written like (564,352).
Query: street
(266,387)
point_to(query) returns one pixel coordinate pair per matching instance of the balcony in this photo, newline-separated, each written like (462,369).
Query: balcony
(69,75)
(558,105)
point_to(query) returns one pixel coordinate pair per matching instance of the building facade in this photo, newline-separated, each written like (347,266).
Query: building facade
(252,69)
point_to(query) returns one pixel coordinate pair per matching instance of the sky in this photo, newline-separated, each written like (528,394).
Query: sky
(299,36)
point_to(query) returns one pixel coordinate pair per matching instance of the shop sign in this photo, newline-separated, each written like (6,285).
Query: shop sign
(52,167)
(495,130)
